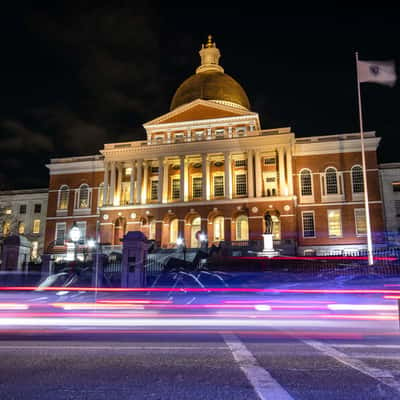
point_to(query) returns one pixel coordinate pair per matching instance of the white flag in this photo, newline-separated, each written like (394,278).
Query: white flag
(383,72)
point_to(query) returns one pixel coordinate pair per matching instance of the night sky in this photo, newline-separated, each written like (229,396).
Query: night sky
(75,76)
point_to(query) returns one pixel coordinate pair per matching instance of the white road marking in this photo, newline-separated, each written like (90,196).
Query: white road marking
(37,347)
(380,375)
(265,386)
(365,346)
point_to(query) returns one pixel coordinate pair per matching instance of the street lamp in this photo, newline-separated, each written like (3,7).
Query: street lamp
(203,239)
(75,235)
(180,242)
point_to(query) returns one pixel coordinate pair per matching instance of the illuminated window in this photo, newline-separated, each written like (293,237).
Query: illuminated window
(240,163)
(179,138)
(60,233)
(197,188)
(34,251)
(22,209)
(8,211)
(269,161)
(219,228)
(36,226)
(241,184)
(128,171)
(6,228)
(218,186)
(357,179)
(152,229)
(83,201)
(21,228)
(306,182)
(308,224)
(334,223)
(176,188)
(199,135)
(154,190)
(173,231)
(63,197)
(37,209)
(159,139)
(360,220)
(242,228)
(331,181)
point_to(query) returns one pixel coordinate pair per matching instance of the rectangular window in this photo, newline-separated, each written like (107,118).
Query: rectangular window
(334,223)
(241,184)
(179,137)
(6,228)
(22,209)
(361,224)
(397,207)
(396,186)
(197,189)
(269,161)
(60,233)
(240,132)
(219,134)
(199,135)
(270,179)
(308,224)
(154,170)
(154,190)
(36,226)
(21,228)
(37,209)
(218,186)
(8,211)
(159,139)
(176,189)
(240,163)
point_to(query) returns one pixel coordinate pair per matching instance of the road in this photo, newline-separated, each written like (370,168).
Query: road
(198,366)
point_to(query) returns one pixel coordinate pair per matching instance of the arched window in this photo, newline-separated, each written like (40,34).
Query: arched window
(152,229)
(219,228)
(331,181)
(63,198)
(100,195)
(242,228)
(194,232)
(83,201)
(173,231)
(357,179)
(306,182)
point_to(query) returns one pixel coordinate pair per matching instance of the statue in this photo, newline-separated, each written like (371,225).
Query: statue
(268,223)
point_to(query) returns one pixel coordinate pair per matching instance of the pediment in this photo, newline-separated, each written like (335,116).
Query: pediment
(199,110)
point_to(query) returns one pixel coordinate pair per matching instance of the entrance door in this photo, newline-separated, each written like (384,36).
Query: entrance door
(194,233)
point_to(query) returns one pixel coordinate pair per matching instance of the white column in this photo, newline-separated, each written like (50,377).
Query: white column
(112,183)
(228,177)
(160,179)
(282,183)
(105,188)
(140,195)
(182,177)
(204,177)
(119,184)
(250,174)
(259,178)
(165,184)
(289,170)
(132,184)
(186,180)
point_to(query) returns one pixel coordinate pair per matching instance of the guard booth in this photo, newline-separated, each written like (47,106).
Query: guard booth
(134,254)
(16,253)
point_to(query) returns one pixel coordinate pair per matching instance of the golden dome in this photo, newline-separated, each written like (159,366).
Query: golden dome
(210,82)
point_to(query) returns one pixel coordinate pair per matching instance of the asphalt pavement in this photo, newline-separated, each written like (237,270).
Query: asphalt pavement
(187,366)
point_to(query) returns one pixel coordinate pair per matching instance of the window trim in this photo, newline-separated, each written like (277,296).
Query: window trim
(306,197)
(302,224)
(341,223)
(64,224)
(59,198)
(357,195)
(197,176)
(355,222)
(244,173)
(215,175)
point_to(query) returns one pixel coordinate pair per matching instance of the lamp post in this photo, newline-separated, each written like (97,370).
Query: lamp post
(180,242)
(75,235)
(203,240)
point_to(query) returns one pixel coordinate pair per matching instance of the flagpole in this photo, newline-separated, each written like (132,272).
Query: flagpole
(364,170)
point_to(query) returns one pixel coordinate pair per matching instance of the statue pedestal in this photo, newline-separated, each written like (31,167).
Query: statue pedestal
(268,250)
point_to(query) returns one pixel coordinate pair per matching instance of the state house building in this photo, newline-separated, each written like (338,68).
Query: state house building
(208,166)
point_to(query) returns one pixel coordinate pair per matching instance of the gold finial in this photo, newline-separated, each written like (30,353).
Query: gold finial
(209,43)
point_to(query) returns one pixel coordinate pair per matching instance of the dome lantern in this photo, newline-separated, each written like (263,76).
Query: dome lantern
(209,55)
